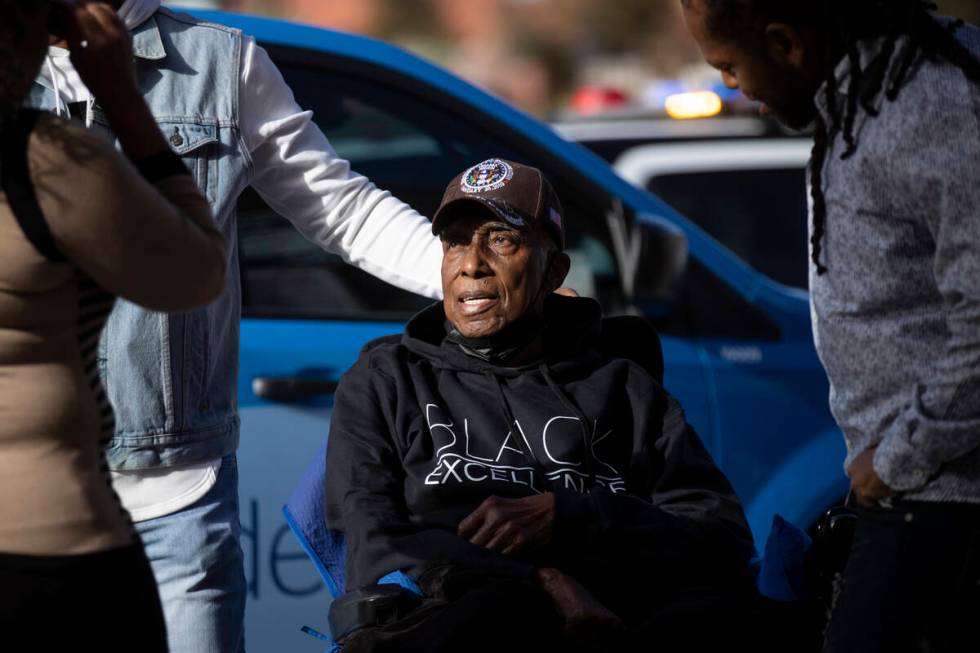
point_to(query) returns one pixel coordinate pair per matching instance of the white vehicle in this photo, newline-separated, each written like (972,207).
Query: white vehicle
(741,179)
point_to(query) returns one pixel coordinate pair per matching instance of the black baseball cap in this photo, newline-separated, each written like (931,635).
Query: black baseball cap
(518,194)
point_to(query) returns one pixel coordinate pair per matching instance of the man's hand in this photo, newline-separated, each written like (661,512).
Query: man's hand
(865,482)
(583,614)
(511,526)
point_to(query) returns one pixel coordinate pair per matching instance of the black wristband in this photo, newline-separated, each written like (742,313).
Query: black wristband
(160,166)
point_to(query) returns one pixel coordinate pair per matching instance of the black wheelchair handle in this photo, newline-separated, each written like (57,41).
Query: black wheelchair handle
(290,389)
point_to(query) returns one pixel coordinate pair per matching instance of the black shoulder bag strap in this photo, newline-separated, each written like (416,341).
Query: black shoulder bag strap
(15,180)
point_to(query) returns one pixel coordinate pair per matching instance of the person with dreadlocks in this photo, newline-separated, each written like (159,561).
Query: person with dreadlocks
(893,93)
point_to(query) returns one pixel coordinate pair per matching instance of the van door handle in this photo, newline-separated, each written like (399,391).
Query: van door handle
(290,389)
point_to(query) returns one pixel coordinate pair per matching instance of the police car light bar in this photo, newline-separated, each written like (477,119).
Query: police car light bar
(685,106)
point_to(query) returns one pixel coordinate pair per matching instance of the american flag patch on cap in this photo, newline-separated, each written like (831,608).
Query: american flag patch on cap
(555,217)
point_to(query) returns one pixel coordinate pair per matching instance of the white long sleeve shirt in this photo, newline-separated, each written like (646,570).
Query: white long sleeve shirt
(297,172)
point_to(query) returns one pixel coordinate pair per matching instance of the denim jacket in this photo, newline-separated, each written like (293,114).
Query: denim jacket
(172,377)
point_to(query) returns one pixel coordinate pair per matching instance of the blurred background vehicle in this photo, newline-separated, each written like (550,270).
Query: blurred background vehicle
(737,175)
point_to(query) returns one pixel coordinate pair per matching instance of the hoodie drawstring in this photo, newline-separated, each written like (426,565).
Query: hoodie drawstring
(57,88)
(582,419)
(565,401)
(63,108)
(511,420)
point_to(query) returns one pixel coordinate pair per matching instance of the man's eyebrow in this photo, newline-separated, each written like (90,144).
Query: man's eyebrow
(498,226)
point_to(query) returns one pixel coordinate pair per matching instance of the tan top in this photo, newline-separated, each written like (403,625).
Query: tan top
(152,244)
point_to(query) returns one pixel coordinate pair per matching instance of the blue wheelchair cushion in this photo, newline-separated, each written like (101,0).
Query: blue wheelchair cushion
(304,513)
(781,574)
(326,548)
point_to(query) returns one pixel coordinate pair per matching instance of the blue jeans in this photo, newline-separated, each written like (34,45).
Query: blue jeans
(198,563)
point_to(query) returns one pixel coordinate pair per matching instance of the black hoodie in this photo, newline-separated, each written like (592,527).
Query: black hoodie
(423,432)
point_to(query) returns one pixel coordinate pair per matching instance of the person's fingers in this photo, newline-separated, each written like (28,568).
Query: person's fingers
(102,51)
(107,18)
(483,536)
(548,577)
(472,523)
(856,490)
(79,23)
(517,544)
(96,24)
(862,496)
(498,541)
(506,539)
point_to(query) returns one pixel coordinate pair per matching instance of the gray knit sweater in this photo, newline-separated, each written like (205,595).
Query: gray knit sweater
(897,316)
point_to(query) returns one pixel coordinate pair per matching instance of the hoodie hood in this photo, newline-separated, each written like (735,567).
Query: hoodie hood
(572,326)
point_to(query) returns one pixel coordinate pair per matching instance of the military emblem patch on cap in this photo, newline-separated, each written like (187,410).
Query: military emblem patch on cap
(484,177)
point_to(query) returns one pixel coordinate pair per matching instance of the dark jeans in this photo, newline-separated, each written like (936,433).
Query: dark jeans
(105,602)
(912,582)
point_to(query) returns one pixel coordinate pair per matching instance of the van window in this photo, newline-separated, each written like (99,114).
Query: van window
(758,214)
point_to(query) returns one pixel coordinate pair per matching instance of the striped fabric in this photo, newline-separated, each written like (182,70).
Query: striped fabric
(94,306)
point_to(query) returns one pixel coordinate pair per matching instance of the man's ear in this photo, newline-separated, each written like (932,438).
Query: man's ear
(785,45)
(555,275)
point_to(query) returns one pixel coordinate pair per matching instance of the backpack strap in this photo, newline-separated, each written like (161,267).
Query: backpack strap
(15,181)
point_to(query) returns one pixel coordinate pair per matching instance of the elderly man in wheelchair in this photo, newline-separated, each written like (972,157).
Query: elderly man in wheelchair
(516,459)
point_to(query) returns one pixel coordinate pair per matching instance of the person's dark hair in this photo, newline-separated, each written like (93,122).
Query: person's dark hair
(909,31)
(11,75)
(15,80)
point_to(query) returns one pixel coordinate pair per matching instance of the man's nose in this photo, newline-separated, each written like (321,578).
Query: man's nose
(474,262)
(729,80)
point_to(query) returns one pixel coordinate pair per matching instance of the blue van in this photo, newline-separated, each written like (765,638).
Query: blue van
(737,345)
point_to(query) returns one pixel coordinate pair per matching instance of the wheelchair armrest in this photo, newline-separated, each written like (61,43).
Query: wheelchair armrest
(374,606)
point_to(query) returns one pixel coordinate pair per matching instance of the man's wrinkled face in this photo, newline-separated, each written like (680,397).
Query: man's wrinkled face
(769,71)
(493,273)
